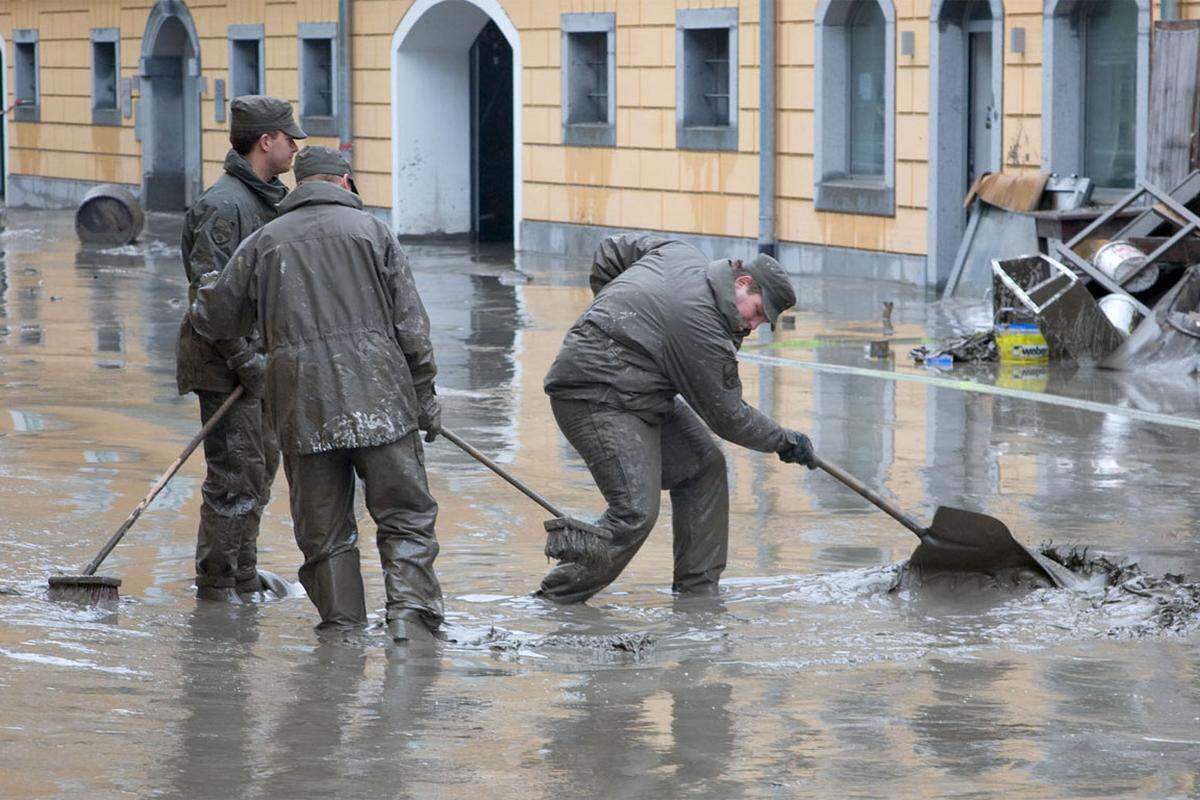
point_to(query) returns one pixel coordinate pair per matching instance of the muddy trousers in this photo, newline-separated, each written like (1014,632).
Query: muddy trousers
(632,462)
(242,455)
(398,499)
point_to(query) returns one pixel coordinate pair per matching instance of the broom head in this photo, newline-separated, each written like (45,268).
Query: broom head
(569,539)
(85,590)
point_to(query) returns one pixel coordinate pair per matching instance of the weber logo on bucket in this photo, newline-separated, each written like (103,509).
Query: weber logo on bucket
(1030,352)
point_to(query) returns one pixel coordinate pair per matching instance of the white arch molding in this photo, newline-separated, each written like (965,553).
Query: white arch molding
(415,179)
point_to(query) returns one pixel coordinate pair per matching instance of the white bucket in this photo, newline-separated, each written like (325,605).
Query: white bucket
(1118,259)
(1121,312)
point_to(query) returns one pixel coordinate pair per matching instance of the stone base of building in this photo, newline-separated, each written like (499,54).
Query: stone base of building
(565,239)
(34,191)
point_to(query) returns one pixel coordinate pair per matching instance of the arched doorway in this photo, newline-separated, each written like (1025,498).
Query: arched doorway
(456,121)
(170,109)
(966,103)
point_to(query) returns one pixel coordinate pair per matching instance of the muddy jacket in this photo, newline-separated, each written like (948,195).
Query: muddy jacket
(663,323)
(238,204)
(330,291)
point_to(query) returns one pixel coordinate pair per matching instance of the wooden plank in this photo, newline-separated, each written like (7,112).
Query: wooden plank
(1173,101)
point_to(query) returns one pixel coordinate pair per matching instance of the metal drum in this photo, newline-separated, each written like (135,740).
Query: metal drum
(1121,312)
(1118,259)
(109,215)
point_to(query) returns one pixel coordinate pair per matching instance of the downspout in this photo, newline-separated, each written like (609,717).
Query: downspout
(1169,10)
(766,127)
(345,106)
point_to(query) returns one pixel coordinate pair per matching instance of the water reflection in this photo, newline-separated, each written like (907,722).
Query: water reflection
(854,427)
(216,738)
(655,732)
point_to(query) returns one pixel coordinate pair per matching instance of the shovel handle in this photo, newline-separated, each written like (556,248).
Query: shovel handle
(234,396)
(877,500)
(496,468)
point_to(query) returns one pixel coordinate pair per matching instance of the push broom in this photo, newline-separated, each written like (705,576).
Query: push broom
(567,539)
(103,590)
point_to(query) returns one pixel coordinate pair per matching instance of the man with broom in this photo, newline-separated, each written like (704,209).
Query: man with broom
(349,381)
(653,355)
(241,453)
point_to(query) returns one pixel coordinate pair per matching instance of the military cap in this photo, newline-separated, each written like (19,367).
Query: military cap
(777,292)
(259,113)
(318,160)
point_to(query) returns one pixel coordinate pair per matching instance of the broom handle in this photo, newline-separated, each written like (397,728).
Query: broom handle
(234,396)
(496,468)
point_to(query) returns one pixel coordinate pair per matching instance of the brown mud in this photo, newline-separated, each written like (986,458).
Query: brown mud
(813,673)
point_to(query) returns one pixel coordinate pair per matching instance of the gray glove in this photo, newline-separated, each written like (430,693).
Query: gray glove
(430,418)
(251,369)
(797,449)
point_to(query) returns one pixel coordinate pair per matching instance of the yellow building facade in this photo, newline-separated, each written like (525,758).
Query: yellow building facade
(553,122)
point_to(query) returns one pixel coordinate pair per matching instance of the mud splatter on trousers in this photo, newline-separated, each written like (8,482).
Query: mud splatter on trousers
(632,462)
(398,499)
(242,456)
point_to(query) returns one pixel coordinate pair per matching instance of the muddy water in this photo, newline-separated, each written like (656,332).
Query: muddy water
(806,677)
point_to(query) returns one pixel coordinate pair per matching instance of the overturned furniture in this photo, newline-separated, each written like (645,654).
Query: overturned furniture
(1168,337)
(1069,317)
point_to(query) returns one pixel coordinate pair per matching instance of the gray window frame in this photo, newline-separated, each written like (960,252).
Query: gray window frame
(107,116)
(835,188)
(318,124)
(589,134)
(246,33)
(1062,94)
(705,137)
(27,112)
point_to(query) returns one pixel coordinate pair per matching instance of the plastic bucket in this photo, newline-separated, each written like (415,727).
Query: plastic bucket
(1118,259)
(1121,312)
(1021,343)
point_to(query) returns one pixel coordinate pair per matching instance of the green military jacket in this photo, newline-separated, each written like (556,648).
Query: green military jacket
(329,290)
(238,204)
(663,323)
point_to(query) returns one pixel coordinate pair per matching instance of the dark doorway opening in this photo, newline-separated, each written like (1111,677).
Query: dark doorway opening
(170,118)
(491,136)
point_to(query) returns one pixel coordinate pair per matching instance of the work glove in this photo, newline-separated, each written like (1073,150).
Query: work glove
(797,449)
(430,418)
(251,370)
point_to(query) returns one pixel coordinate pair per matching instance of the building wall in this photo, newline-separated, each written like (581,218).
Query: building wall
(643,182)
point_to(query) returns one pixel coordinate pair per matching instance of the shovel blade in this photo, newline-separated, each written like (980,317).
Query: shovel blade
(965,541)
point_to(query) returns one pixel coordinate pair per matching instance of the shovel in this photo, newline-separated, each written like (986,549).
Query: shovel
(958,540)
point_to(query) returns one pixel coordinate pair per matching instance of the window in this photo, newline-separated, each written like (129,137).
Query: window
(318,59)
(246,74)
(854,159)
(25,68)
(589,79)
(706,105)
(1095,91)
(105,75)
(1110,94)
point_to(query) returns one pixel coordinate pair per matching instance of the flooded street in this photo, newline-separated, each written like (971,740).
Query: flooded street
(807,676)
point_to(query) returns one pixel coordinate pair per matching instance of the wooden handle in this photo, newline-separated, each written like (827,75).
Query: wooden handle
(234,396)
(496,468)
(878,501)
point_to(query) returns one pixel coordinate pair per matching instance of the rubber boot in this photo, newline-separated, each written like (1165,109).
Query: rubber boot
(411,627)
(335,587)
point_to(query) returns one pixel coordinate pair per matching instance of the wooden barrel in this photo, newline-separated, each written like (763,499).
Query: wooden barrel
(109,215)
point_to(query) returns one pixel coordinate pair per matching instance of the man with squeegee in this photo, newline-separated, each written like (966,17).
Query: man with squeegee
(653,355)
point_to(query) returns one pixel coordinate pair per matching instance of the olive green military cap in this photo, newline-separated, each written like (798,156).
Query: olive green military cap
(777,292)
(260,113)
(318,160)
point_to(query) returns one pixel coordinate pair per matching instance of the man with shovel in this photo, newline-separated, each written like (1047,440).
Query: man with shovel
(653,355)
(349,381)
(241,452)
